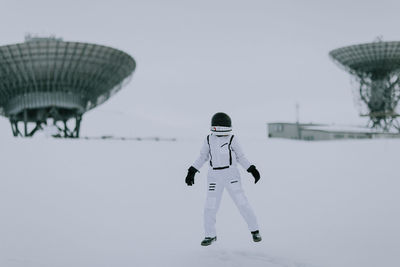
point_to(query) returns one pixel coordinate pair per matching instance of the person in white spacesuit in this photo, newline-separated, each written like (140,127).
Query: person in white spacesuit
(223,152)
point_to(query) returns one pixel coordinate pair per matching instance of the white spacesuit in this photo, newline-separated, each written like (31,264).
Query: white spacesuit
(223,152)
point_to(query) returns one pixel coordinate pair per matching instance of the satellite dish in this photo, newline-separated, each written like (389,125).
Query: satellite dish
(376,67)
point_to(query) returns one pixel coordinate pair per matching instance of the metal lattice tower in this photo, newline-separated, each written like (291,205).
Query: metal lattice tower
(376,67)
(48,81)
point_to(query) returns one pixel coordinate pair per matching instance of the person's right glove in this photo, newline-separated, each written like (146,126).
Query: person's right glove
(252,169)
(190,176)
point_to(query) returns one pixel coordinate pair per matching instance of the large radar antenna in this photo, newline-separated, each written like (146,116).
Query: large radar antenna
(47,83)
(376,67)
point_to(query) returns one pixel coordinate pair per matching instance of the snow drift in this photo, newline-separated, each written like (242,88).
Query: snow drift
(112,203)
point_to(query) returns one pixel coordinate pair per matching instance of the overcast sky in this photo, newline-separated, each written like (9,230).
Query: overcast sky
(251,59)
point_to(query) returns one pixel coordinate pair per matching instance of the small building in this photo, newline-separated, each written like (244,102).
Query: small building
(318,132)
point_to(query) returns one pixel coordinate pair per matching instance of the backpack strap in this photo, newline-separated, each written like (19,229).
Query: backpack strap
(209,148)
(230,150)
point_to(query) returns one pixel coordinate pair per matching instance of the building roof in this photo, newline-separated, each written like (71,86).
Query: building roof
(341,129)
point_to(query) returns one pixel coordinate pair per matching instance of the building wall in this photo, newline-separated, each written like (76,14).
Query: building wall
(283,130)
(319,135)
(301,132)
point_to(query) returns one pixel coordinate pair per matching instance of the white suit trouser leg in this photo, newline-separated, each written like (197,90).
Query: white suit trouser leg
(217,180)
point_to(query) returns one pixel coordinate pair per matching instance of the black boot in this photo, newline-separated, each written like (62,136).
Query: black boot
(256,236)
(208,240)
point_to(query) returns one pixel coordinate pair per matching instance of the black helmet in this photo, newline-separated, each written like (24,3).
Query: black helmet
(221,122)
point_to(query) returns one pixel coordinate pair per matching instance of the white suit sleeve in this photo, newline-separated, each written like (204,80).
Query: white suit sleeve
(240,157)
(204,156)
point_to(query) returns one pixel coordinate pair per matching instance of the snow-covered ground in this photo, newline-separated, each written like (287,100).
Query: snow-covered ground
(93,203)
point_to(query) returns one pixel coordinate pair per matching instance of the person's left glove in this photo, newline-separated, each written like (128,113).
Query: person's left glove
(252,169)
(190,176)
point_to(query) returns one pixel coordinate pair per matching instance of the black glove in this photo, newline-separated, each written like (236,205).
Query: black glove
(190,176)
(252,169)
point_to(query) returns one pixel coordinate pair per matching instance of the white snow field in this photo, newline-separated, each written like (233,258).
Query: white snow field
(93,203)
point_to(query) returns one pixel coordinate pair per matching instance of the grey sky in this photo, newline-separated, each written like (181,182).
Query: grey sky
(251,59)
